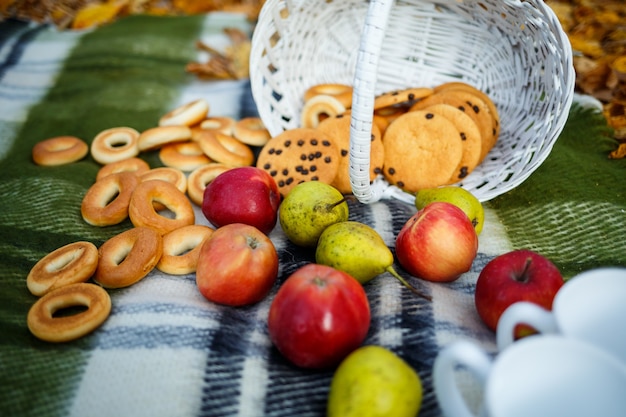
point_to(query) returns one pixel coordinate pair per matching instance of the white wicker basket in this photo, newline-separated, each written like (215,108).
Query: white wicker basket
(515,51)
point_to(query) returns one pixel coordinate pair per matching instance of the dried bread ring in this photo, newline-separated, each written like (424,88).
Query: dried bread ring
(128,257)
(225,149)
(186,115)
(318,108)
(143,213)
(135,165)
(251,131)
(157,137)
(115,144)
(341,92)
(181,248)
(200,177)
(69,264)
(169,174)
(185,156)
(45,325)
(106,201)
(59,150)
(222,124)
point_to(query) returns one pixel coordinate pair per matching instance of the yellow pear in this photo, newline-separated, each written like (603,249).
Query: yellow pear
(308,209)
(358,250)
(374,381)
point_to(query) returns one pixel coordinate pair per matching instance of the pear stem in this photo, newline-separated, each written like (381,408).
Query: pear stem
(414,290)
(343,200)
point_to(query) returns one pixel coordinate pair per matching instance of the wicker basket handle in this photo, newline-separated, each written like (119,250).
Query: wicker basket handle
(363,100)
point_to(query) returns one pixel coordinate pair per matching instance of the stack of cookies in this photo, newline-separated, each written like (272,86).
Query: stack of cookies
(421,137)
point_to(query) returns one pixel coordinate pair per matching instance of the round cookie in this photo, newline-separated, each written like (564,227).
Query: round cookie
(471,105)
(338,128)
(422,150)
(298,155)
(393,98)
(458,85)
(469,135)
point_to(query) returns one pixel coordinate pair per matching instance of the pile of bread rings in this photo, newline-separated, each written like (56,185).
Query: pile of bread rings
(421,137)
(194,149)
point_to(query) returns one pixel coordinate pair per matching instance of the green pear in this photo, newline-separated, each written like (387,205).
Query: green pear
(358,250)
(458,196)
(374,381)
(308,209)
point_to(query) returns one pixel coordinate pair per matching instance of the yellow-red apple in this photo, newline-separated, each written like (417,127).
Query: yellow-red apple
(438,243)
(237,265)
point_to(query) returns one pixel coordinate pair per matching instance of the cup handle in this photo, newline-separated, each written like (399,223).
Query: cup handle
(461,353)
(523,312)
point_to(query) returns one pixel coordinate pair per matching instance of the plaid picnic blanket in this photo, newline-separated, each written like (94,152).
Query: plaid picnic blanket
(167,351)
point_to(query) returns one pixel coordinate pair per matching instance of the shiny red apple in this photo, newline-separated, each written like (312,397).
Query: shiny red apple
(246,195)
(519,275)
(318,316)
(237,265)
(438,243)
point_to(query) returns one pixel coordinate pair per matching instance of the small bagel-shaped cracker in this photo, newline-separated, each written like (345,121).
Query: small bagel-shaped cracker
(186,115)
(251,131)
(128,257)
(181,248)
(157,137)
(393,98)
(318,108)
(59,150)
(135,165)
(200,177)
(341,92)
(222,124)
(69,264)
(106,201)
(225,149)
(45,325)
(115,144)
(185,156)
(172,175)
(422,150)
(143,213)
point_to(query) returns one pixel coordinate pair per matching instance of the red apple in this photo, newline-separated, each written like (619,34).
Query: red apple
(318,317)
(246,195)
(520,275)
(237,265)
(438,243)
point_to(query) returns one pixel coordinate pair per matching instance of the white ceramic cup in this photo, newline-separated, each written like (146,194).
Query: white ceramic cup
(590,306)
(538,376)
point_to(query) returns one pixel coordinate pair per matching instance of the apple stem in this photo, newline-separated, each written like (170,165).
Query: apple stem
(414,290)
(523,277)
